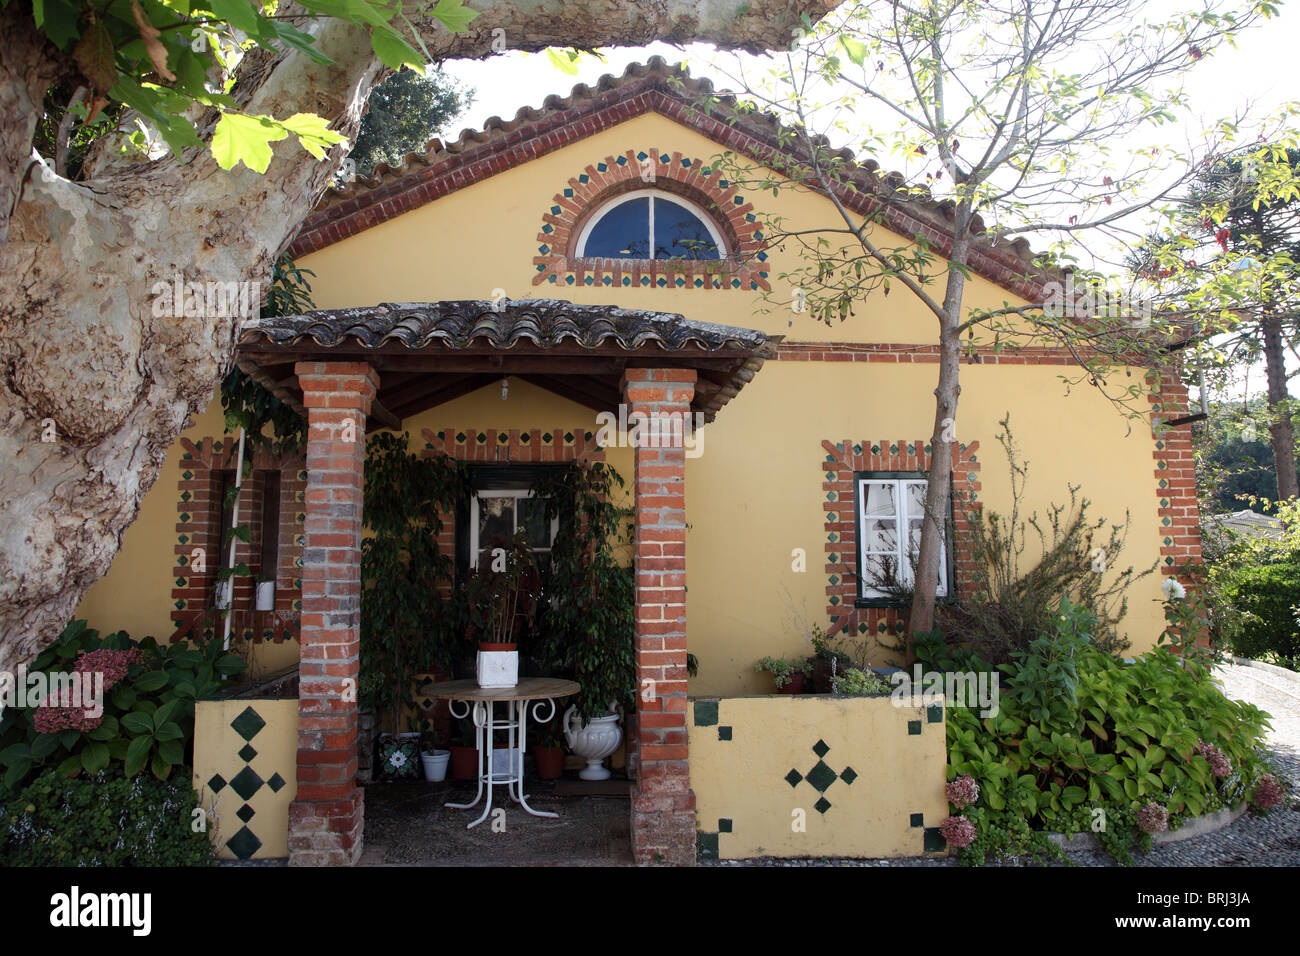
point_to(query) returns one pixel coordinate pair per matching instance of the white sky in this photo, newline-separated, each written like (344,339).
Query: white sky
(1256,78)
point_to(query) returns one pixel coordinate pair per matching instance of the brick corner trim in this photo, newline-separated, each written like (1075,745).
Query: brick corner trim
(841,461)
(691,178)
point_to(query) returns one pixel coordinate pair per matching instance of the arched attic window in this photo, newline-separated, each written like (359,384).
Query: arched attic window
(651,224)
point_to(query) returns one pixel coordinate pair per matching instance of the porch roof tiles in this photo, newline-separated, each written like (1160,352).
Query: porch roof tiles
(430,352)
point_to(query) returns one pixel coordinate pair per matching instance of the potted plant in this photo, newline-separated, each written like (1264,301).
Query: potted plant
(548,752)
(827,661)
(586,627)
(502,603)
(788,674)
(464,751)
(433,760)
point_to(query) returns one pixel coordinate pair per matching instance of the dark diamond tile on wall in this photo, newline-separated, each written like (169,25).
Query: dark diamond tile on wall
(248,724)
(934,840)
(246,783)
(276,783)
(217,783)
(706,846)
(244,844)
(822,805)
(793,778)
(820,748)
(934,713)
(724,825)
(247,753)
(245,813)
(821,776)
(913,728)
(724,733)
(917,820)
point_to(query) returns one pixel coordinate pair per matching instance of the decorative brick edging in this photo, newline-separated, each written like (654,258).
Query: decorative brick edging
(198,526)
(559,264)
(904,353)
(842,460)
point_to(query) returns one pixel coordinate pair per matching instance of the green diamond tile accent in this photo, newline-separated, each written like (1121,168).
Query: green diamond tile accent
(918,820)
(724,733)
(1169,542)
(913,728)
(187,474)
(835,600)
(706,713)
(706,846)
(216,783)
(724,825)
(245,813)
(934,714)
(875,449)
(502,438)
(186,496)
(834,557)
(185,517)
(481,438)
(248,724)
(862,628)
(821,776)
(246,783)
(180,582)
(934,840)
(244,843)
(180,605)
(848,775)
(822,805)
(247,753)
(184,539)
(276,783)
(820,748)
(1164,483)
(547,438)
(793,778)
(568,438)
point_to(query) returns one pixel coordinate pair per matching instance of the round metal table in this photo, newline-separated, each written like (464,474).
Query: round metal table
(537,692)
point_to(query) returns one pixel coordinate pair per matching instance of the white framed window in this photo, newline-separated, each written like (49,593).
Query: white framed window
(650,224)
(505,512)
(891,511)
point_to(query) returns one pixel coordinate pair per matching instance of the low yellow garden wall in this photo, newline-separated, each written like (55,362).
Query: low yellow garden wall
(245,773)
(794,776)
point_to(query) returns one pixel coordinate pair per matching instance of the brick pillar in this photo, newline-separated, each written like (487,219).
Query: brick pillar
(325,821)
(1175,475)
(663,805)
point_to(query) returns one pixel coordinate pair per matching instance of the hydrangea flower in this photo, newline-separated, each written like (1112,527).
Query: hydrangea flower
(1173,590)
(1268,792)
(1153,818)
(1220,765)
(963,792)
(958,831)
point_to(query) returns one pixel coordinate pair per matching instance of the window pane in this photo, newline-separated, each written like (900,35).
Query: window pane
(623,232)
(680,233)
(532,518)
(878,498)
(496,517)
(880,535)
(916,499)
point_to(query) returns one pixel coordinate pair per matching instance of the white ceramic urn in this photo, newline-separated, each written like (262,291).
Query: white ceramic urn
(593,741)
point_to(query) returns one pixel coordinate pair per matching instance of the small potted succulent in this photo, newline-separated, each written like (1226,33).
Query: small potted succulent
(433,760)
(788,674)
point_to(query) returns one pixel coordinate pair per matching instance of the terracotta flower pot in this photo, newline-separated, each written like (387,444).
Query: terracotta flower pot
(795,685)
(550,762)
(464,762)
(489,647)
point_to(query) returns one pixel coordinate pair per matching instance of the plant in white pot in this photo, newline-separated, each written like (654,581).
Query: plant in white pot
(433,760)
(502,595)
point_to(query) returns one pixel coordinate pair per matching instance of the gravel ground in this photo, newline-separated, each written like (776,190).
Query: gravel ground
(1253,840)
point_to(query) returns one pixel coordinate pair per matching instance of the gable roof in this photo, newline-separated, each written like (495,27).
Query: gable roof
(658,87)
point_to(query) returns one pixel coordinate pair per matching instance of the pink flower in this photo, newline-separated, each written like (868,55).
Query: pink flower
(112,664)
(1220,765)
(1268,792)
(59,714)
(958,831)
(1153,818)
(963,792)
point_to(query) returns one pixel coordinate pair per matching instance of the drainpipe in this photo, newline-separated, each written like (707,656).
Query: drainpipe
(234,523)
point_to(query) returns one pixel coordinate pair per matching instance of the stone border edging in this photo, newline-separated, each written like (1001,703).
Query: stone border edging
(1195,827)
(1271,668)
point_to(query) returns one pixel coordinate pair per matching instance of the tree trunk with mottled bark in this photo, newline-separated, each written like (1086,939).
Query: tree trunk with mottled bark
(96,386)
(1283,432)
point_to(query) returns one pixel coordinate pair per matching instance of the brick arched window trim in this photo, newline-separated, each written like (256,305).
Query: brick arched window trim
(557,262)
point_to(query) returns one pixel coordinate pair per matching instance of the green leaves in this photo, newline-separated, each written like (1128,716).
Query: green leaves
(454,15)
(247,139)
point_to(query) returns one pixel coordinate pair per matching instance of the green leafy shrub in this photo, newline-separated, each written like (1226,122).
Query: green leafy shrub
(783,669)
(102,820)
(1267,593)
(1012,603)
(1152,730)
(148,717)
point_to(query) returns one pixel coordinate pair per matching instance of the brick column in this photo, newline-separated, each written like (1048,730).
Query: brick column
(663,805)
(325,821)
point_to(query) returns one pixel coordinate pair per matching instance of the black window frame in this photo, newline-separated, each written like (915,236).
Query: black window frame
(487,477)
(890,602)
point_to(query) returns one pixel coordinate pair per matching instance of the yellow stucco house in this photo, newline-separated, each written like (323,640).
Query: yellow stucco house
(491,298)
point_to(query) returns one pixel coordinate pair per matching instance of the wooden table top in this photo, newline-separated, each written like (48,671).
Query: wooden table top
(528,688)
